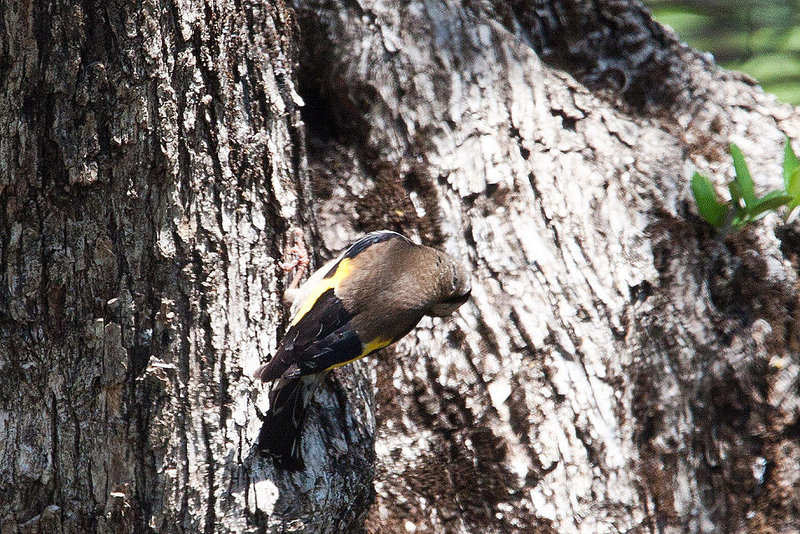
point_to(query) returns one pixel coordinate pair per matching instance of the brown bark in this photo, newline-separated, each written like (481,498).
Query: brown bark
(152,163)
(618,368)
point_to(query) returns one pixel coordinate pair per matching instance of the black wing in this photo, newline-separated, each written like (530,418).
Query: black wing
(323,335)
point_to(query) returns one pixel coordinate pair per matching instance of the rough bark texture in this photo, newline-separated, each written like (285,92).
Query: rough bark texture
(152,161)
(618,368)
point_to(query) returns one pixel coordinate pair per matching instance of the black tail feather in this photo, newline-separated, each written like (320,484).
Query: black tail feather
(282,428)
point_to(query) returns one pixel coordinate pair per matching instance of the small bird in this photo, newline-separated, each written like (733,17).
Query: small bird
(373,294)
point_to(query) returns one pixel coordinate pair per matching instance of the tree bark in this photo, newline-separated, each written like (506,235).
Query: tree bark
(153,161)
(618,368)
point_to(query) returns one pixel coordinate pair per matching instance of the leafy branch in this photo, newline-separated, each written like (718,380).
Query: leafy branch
(744,206)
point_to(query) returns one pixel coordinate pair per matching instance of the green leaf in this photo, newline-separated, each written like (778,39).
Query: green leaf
(790,164)
(793,189)
(706,198)
(793,184)
(743,177)
(771,201)
(736,193)
(777,194)
(740,220)
(738,223)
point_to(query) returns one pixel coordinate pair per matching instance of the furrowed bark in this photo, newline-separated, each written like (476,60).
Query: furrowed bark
(619,366)
(153,162)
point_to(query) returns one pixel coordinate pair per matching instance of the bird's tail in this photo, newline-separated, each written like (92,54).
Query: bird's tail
(282,427)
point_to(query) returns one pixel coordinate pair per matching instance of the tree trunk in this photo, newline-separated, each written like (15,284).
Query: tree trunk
(618,368)
(152,163)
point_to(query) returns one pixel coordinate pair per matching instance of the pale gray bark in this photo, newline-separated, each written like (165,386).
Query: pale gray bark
(618,368)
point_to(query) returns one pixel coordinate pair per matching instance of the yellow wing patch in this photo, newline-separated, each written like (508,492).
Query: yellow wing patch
(343,269)
(372,346)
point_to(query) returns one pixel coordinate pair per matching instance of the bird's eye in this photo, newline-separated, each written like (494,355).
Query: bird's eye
(455,281)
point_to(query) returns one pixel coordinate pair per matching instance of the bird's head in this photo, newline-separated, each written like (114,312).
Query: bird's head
(455,287)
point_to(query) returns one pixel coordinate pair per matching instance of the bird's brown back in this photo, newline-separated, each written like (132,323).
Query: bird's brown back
(393,285)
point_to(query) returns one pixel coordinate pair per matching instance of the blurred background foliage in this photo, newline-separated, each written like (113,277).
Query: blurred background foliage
(758,37)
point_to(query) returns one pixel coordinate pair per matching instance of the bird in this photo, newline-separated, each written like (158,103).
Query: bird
(367,298)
